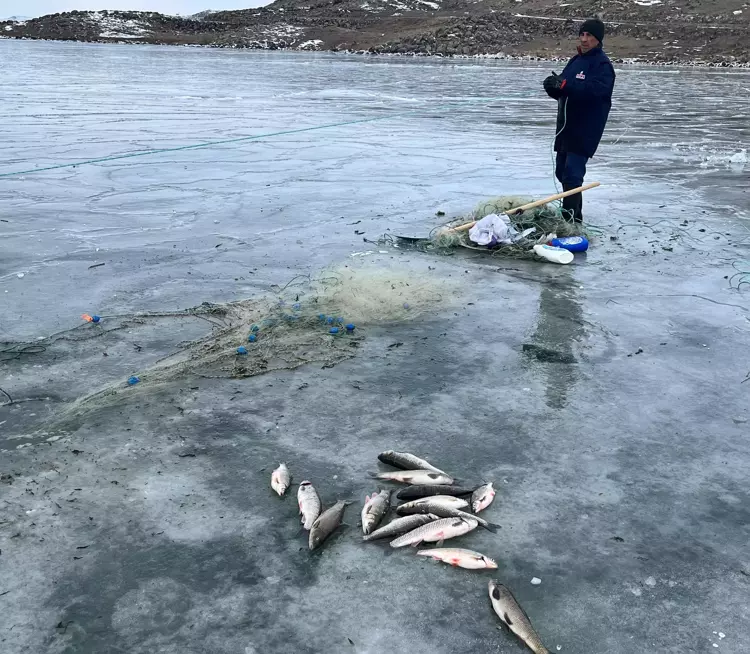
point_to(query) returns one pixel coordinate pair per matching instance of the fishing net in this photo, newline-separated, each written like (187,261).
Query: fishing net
(546,220)
(311,319)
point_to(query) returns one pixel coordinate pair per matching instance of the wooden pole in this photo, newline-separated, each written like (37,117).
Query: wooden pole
(531,205)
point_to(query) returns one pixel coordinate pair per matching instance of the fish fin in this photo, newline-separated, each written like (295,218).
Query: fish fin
(490,526)
(372,474)
(506,618)
(440,542)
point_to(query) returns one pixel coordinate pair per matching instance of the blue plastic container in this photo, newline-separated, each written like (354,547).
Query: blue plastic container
(571,243)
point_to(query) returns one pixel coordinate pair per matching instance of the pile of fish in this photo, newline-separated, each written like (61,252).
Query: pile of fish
(434,509)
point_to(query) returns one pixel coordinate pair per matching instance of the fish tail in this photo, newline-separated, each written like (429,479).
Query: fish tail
(490,526)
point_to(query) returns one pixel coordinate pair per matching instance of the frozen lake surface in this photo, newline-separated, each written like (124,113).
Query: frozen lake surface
(149,526)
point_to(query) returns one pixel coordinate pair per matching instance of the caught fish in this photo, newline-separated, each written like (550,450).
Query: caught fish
(415,477)
(374,510)
(447,501)
(436,532)
(461,558)
(514,617)
(309,504)
(402,525)
(482,497)
(281,479)
(326,523)
(415,492)
(444,512)
(406,461)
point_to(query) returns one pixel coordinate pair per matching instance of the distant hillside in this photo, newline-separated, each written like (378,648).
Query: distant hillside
(705,31)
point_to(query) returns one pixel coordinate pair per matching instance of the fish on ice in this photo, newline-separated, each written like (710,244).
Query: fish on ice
(444,512)
(326,523)
(436,532)
(402,525)
(309,504)
(374,510)
(482,497)
(406,461)
(461,558)
(448,501)
(514,617)
(417,492)
(281,479)
(415,477)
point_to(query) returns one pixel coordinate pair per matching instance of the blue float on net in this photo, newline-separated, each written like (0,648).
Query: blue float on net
(241,350)
(296,306)
(252,338)
(133,381)
(350,327)
(255,328)
(322,317)
(329,320)
(333,330)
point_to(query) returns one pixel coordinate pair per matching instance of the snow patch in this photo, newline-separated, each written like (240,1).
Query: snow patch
(313,44)
(647,3)
(282,31)
(117,28)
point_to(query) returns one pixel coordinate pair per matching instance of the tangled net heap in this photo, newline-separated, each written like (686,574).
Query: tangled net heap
(291,327)
(547,219)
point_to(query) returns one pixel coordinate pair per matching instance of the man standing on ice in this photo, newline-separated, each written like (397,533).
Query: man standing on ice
(584,97)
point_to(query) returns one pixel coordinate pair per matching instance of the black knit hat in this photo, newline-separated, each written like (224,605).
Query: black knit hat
(595,27)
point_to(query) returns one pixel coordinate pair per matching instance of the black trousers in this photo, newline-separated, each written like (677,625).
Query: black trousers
(570,169)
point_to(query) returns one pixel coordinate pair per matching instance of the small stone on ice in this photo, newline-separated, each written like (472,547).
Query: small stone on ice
(535,581)
(650,581)
(721,635)
(715,645)
(19,275)
(559,647)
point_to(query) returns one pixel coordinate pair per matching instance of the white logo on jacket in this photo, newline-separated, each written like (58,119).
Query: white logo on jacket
(581,75)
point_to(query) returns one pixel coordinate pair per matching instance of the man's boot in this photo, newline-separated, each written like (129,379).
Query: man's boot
(573,205)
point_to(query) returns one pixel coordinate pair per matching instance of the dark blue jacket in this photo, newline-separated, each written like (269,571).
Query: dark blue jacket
(584,102)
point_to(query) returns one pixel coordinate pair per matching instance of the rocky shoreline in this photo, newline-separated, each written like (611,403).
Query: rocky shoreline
(646,32)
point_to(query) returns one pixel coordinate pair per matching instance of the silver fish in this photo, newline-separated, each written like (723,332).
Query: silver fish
(309,504)
(374,510)
(482,497)
(406,461)
(416,492)
(461,558)
(416,477)
(514,617)
(326,523)
(281,479)
(444,512)
(437,531)
(448,501)
(402,525)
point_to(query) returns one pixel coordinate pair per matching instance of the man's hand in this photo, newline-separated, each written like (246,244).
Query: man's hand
(554,85)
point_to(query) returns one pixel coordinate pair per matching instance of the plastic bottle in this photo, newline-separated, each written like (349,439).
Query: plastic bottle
(571,243)
(556,255)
